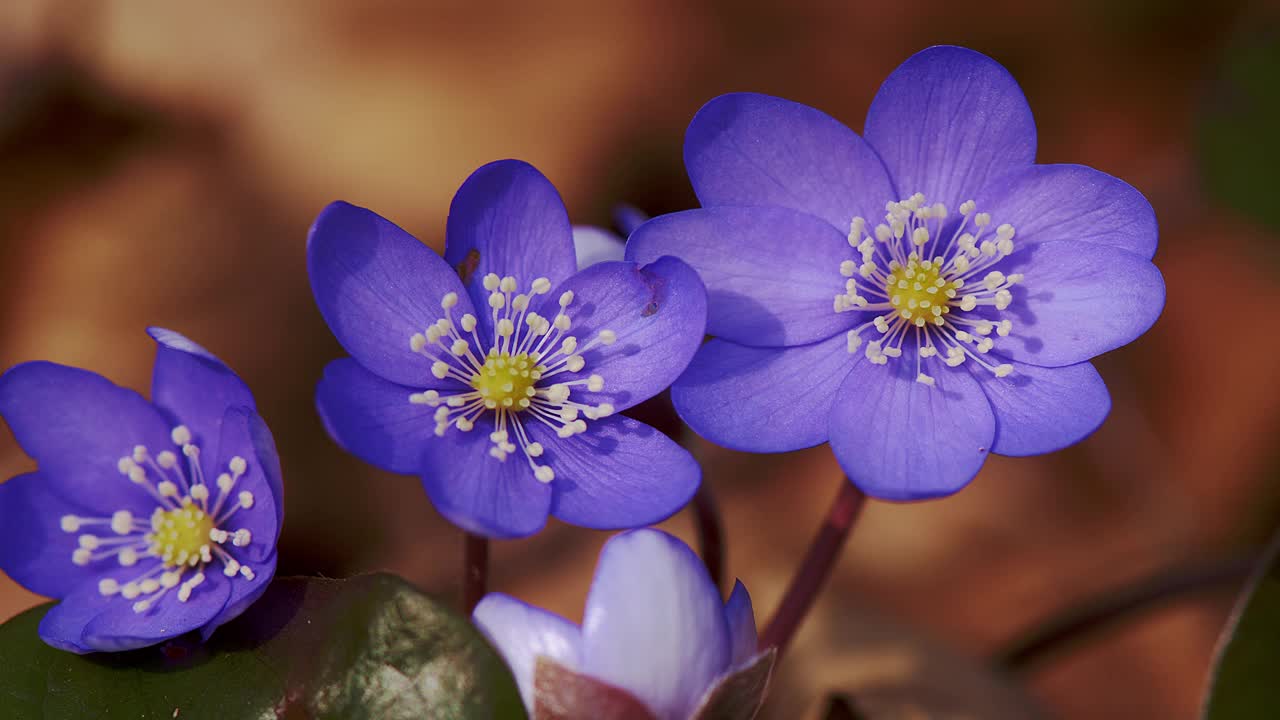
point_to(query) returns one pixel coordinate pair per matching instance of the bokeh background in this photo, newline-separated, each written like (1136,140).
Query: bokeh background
(160,163)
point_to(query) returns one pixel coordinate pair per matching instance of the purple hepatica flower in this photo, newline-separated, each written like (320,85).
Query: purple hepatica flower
(506,412)
(654,627)
(146,519)
(962,322)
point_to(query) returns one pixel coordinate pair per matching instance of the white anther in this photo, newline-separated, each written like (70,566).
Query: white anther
(491,282)
(124,465)
(544,474)
(604,410)
(892,352)
(506,328)
(246,572)
(919,236)
(595,383)
(88,542)
(497,301)
(1004,327)
(81,556)
(963,336)
(985,345)
(108,587)
(541,286)
(534,449)
(191,451)
(1003,298)
(225,483)
(246,499)
(128,557)
(231,568)
(925,379)
(122,522)
(170,579)
(566,297)
(459,347)
(137,475)
(69,523)
(993,280)
(848,268)
(575,363)
(988,248)
(167,489)
(417,342)
(241,538)
(968,302)
(967,207)
(139,453)
(520,302)
(449,300)
(440,369)
(1003,370)
(608,337)
(180,436)
(218,536)
(982,219)
(867,269)
(508,284)
(464,424)
(238,465)
(928,351)
(468,322)
(854,341)
(142,606)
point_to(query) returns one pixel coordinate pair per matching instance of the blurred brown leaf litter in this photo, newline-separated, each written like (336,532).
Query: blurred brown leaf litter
(162,162)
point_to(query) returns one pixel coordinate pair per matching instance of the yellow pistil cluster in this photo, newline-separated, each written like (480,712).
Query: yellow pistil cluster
(919,292)
(507,380)
(181,536)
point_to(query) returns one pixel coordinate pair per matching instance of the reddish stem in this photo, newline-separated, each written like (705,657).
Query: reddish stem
(475,571)
(813,571)
(706,519)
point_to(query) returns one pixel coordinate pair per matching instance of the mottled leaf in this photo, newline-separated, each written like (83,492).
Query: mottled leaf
(562,694)
(309,649)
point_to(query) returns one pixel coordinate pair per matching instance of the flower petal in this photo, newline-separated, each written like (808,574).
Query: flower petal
(898,439)
(118,627)
(620,473)
(262,519)
(34,550)
(522,633)
(1078,300)
(1045,203)
(77,425)
(372,418)
(593,245)
(477,492)
(508,219)
(762,399)
(193,387)
(658,315)
(742,624)
(1039,410)
(948,121)
(243,594)
(751,149)
(654,623)
(377,286)
(771,273)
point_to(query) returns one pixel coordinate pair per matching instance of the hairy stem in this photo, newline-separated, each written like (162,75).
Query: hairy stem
(706,519)
(814,569)
(475,570)
(1069,627)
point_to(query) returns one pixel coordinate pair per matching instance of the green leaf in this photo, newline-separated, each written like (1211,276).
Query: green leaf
(1243,683)
(1239,145)
(309,649)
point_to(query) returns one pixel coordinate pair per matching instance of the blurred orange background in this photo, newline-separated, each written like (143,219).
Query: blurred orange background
(160,164)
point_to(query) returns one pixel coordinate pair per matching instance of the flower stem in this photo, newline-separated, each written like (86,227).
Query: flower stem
(706,519)
(475,571)
(1081,620)
(814,569)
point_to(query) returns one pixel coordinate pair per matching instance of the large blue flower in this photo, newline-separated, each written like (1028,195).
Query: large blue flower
(508,411)
(654,626)
(146,519)
(971,286)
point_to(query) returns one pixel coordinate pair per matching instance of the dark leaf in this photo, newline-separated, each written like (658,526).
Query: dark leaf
(739,695)
(1243,682)
(309,649)
(562,694)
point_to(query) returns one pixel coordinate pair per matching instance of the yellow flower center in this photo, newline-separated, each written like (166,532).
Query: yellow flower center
(919,292)
(507,380)
(181,535)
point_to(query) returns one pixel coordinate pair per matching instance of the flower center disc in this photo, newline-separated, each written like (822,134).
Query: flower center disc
(507,380)
(180,534)
(919,292)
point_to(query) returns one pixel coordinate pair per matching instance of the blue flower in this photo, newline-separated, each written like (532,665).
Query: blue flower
(971,286)
(654,626)
(146,519)
(496,373)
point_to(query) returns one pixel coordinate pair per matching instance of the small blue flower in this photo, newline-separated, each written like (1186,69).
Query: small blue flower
(654,626)
(971,286)
(496,373)
(146,519)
